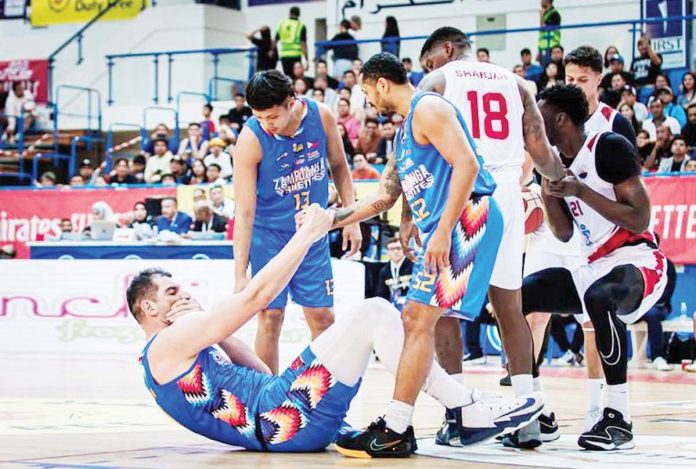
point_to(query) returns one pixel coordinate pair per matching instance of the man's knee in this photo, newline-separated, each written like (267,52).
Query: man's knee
(320,318)
(419,319)
(598,300)
(271,321)
(538,320)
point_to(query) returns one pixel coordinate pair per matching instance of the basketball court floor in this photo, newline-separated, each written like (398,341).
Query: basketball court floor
(72,412)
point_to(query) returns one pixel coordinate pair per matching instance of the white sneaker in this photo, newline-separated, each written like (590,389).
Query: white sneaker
(592,417)
(660,364)
(568,359)
(690,368)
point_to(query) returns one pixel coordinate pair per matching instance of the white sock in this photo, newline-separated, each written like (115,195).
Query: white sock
(447,389)
(539,387)
(596,393)
(522,384)
(399,416)
(458,377)
(617,399)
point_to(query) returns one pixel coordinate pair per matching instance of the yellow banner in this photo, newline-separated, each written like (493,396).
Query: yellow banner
(46,12)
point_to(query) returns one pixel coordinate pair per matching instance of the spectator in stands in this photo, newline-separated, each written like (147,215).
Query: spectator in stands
(656,315)
(532,71)
(627,111)
(483,55)
(557,55)
(212,174)
(661,81)
(220,204)
(179,170)
(138,168)
(386,144)
(391,31)
(239,113)
(171,219)
(206,221)
(688,90)
(266,55)
(550,77)
(298,73)
(168,179)
(160,132)
(350,122)
(101,180)
(219,157)
(617,67)
(207,124)
(413,76)
(689,130)
(300,87)
(199,194)
(357,97)
(369,139)
(548,17)
(328,93)
(47,179)
(662,148)
(394,278)
(20,102)
(322,71)
(291,38)
(610,52)
(347,144)
(66,226)
(87,171)
(531,85)
(343,55)
(677,161)
(356,23)
(659,118)
(122,172)
(356,66)
(612,96)
(159,163)
(198,173)
(628,96)
(362,169)
(646,65)
(225,131)
(672,109)
(141,222)
(77,181)
(194,147)
(101,211)
(317,95)
(690,166)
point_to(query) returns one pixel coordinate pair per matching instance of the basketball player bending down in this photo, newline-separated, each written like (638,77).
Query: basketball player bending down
(214,385)
(625,273)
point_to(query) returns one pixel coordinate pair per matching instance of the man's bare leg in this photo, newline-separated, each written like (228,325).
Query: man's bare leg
(318,319)
(449,346)
(595,376)
(268,336)
(538,323)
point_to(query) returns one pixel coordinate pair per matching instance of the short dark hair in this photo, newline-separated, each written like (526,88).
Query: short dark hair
(393,239)
(141,287)
(483,49)
(691,106)
(167,175)
(346,101)
(15,84)
(208,106)
(63,220)
(139,159)
(678,137)
(321,61)
(406,60)
(239,95)
(585,56)
(267,89)
(319,90)
(351,72)
(162,140)
(295,11)
(214,165)
(345,24)
(385,65)
(568,99)
(445,33)
(173,199)
(525,51)
(195,124)
(119,160)
(371,120)
(558,46)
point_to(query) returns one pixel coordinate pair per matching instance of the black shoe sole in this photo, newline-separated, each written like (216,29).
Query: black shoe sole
(362,454)
(595,446)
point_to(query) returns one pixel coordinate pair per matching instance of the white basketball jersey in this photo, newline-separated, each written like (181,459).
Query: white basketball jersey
(594,228)
(602,119)
(489,100)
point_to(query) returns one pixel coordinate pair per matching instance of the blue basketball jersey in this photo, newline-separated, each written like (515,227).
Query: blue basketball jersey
(425,175)
(293,172)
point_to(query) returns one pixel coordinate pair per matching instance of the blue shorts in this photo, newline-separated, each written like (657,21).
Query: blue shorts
(302,409)
(312,284)
(462,288)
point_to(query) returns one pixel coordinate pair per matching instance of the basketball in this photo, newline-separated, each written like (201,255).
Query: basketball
(533,208)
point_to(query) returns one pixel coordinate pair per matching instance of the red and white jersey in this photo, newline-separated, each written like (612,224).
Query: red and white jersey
(602,119)
(489,100)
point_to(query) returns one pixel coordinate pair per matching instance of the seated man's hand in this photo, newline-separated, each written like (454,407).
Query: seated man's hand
(182,308)
(314,221)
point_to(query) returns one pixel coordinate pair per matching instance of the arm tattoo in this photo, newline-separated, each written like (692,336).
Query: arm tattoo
(392,183)
(532,122)
(380,206)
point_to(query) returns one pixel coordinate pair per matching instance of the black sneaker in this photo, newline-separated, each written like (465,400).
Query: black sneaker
(528,437)
(549,428)
(612,432)
(377,441)
(506,381)
(579,357)
(448,434)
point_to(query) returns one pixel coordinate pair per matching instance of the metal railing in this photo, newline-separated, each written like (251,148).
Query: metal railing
(169,56)
(109,152)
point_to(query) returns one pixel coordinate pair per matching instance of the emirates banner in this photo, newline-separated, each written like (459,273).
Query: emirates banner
(673,218)
(31,215)
(32,73)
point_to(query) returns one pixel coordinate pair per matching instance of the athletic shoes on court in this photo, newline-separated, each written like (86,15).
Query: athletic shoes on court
(377,441)
(592,416)
(506,381)
(612,432)
(448,434)
(474,359)
(549,428)
(528,437)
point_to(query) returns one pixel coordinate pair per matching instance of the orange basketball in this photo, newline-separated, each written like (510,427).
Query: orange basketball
(533,208)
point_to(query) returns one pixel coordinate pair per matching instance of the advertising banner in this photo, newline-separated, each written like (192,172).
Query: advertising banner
(47,12)
(673,218)
(668,38)
(32,73)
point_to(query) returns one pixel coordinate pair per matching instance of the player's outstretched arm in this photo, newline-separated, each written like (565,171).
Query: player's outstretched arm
(537,144)
(388,193)
(193,332)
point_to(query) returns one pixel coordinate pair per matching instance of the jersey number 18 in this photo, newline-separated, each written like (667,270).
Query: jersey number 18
(495,123)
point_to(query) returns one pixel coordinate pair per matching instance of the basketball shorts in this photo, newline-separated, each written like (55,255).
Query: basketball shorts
(462,287)
(651,263)
(302,409)
(312,284)
(507,271)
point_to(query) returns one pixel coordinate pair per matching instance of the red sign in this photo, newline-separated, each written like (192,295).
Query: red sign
(33,73)
(673,201)
(30,215)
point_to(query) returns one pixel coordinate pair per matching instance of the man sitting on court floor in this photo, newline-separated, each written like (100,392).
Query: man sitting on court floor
(214,385)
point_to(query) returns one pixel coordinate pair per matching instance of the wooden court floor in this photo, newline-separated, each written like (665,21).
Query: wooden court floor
(60,412)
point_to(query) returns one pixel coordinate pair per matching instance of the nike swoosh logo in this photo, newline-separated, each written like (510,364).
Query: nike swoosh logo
(615,345)
(374,446)
(528,403)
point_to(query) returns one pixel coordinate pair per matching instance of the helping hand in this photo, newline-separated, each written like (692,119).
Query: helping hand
(182,308)
(314,222)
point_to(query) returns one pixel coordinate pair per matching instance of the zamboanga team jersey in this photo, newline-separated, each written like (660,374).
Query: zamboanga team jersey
(293,172)
(489,100)
(605,160)
(425,175)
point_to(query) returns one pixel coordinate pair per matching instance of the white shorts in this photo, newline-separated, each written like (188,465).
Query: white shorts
(545,251)
(651,263)
(507,272)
